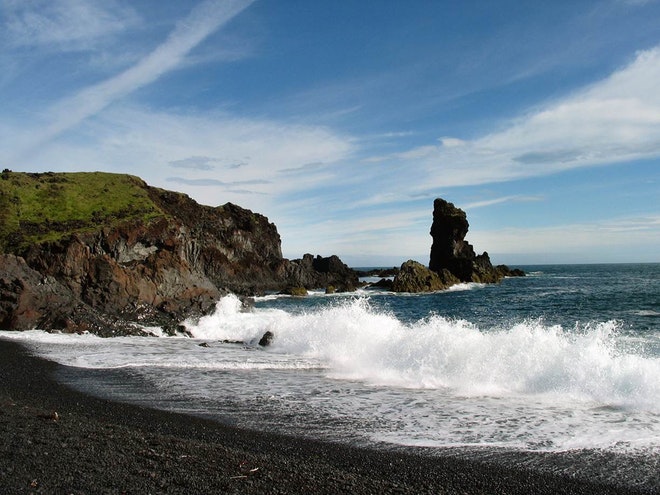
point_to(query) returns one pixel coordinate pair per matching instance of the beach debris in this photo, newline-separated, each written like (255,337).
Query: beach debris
(53,416)
(245,471)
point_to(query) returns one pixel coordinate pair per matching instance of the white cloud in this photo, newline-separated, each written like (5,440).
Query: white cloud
(619,239)
(216,152)
(450,142)
(63,24)
(195,163)
(614,120)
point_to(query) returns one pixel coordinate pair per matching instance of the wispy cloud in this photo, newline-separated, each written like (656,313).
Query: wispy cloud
(369,235)
(204,19)
(631,233)
(503,199)
(213,147)
(305,168)
(216,182)
(195,163)
(69,25)
(614,120)
(208,163)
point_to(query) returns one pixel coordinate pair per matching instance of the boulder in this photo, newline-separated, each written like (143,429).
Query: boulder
(383,283)
(415,277)
(266,339)
(294,291)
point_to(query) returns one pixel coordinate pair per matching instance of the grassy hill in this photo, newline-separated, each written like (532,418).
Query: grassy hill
(48,206)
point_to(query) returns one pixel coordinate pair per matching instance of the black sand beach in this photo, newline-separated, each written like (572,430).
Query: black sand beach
(55,440)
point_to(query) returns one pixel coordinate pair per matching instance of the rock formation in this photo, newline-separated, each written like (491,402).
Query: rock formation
(453,259)
(415,277)
(310,272)
(102,252)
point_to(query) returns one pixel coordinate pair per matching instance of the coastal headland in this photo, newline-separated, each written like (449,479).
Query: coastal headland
(108,254)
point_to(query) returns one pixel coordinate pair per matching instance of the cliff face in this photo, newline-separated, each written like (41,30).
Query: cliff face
(453,259)
(145,255)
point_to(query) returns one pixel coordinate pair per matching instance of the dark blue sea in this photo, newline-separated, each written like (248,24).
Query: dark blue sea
(536,370)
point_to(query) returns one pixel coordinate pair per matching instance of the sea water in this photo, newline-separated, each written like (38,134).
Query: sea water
(562,360)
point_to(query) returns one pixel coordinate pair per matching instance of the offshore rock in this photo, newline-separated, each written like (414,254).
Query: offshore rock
(453,259)
(294,291)
(450,251)
(415,277)
(127,255)
(314,272)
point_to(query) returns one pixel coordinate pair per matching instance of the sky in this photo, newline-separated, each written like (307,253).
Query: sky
(341,121)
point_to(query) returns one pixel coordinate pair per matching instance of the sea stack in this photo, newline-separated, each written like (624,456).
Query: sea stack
(453,259)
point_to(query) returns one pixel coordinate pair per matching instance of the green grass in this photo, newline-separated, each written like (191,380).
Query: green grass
(43,207)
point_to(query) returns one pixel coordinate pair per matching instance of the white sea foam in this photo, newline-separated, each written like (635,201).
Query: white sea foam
(434,382)
(465,286)
(354,341)
(357,342)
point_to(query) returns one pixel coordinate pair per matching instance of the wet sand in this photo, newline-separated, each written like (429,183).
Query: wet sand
(55,440)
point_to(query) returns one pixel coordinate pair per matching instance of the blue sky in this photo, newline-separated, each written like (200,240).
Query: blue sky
(341,121)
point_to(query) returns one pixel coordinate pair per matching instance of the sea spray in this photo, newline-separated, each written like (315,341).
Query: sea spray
(355,341)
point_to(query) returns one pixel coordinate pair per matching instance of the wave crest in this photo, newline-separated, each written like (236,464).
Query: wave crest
(358,342)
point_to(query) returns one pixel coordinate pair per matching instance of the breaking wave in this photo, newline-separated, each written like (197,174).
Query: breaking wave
(353,340)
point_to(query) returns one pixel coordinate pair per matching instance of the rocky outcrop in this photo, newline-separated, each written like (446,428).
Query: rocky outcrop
(450,251)
(313,272)
(127,269)
(30,300)
(453,259)
(415,277)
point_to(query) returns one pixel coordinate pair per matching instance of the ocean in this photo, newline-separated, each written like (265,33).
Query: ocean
(565,360)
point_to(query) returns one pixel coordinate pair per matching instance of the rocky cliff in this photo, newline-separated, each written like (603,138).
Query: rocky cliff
(100,252)
(453,259)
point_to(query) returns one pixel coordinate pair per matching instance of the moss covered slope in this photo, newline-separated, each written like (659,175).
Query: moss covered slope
(48,206)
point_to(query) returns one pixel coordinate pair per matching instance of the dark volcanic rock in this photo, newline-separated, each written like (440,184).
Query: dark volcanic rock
(378,272)
(415,277)
(450,251)
(266,339)
(453,259)
(383,283)
(314,272)
(30,300)
(294,291)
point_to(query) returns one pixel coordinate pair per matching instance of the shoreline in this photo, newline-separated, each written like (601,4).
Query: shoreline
(54,439)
